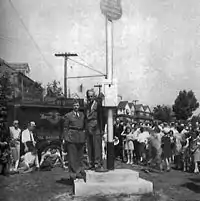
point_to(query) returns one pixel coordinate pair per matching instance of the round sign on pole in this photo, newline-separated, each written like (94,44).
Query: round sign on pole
(112,9)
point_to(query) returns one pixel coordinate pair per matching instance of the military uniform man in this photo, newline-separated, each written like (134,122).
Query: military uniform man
(75,138)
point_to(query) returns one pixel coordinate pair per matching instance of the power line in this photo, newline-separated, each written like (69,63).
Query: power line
(90,66)
(7,40)
(86,66)
(31,37)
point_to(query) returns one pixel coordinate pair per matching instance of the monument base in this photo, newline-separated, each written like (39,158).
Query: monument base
(117,182)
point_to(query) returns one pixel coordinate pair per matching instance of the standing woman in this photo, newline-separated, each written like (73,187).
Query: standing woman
(15,133)
(128,146)
(195,149)
(166,148)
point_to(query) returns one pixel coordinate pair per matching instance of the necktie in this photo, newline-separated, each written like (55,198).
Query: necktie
(31,137)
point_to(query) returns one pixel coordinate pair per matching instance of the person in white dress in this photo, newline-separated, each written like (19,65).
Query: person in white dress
(128,143)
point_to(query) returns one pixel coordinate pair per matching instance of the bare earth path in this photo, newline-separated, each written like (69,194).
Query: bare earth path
(54,186)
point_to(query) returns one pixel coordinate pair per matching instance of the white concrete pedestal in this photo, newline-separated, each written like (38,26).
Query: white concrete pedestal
(119,181)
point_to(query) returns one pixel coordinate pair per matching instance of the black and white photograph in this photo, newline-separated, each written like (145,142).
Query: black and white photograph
(99,100)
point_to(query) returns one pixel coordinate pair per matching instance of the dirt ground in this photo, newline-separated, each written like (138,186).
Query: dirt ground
(54,186)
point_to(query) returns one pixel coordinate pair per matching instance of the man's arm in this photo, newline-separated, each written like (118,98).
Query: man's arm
(24,140)
(65,126)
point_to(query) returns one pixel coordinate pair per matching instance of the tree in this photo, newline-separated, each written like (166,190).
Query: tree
(54,89)
(5,94)
(6,88)
(185,104)
(162,113)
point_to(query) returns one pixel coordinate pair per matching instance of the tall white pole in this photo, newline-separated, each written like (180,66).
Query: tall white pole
(109,67)
(109,49)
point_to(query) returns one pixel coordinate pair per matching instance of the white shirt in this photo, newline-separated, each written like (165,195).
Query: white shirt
(29,158)
(143,137)
(27,136)
(76,114)
(15,133)
(136,134)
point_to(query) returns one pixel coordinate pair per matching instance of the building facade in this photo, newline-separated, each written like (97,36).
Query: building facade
(22,86)
(138,112)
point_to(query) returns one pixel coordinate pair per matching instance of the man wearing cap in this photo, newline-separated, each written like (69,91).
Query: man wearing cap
(29,143)
(75,138)
(15,133)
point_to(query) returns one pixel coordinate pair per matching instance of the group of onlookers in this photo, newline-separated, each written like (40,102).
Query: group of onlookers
(164,143)
(21,148)
(138,143)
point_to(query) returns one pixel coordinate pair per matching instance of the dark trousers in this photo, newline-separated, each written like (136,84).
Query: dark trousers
(119,150)
(136,149)
(75,157)
(94,146)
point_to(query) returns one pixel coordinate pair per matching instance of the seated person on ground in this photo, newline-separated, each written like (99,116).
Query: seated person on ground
(28,161)
(50,159)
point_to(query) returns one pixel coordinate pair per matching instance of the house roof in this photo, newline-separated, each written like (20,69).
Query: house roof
(20,66)
(138,107)
(130,105)
(146,107)
(122,104)
(6,64)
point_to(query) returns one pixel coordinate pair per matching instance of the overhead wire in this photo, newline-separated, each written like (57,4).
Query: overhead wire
(86,66)
(92,68)
(6,39)
(31,37)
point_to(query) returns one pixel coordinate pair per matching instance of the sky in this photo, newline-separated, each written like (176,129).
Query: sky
(156,44)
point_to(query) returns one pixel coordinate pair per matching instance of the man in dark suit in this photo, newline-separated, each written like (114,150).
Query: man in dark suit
(94,131)
(118,129)
(75,138)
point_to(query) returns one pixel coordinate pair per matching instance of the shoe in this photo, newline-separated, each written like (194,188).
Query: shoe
(37,169)
(100,169)
(90,167)
(83,174)
(128,162)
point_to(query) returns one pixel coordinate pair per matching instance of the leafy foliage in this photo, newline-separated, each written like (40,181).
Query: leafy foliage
(5,87)
(5,93)
(185,104)
(162,113)
(54,89)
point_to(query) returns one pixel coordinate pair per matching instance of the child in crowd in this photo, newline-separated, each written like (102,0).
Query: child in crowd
(128,143)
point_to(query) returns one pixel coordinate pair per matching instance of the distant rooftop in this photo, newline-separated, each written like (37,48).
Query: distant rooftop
(22,67)
(122,104)
(138,107)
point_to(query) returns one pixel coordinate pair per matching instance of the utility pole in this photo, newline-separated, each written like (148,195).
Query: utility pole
(65,55)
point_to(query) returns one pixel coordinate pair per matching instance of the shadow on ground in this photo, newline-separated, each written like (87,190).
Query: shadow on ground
(64,181)
(192,186)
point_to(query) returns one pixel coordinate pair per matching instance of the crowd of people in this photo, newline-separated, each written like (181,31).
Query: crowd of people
(158,144)
(161,145)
